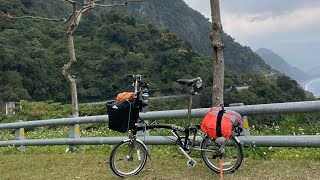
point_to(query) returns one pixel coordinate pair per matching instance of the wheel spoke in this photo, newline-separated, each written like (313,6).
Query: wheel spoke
(128,158)
(138,154)
(230,154)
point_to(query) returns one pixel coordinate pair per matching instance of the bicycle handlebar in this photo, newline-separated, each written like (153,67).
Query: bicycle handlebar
(164,126)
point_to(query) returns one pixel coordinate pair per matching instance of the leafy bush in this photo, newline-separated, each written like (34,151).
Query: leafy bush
(30,111)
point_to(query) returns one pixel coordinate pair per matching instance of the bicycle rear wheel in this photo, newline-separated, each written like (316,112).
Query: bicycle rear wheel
(128,158)
(231,154)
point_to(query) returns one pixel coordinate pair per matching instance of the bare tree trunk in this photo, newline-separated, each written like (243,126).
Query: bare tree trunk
(66,68)
(218,57)
(76,18)
(72,60)
(76,15)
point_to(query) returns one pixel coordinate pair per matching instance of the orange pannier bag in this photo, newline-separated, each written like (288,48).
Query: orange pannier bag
(124,95)
(215,129)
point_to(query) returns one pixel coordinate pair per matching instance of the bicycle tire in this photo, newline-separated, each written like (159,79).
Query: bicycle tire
(122,163)
(231,158)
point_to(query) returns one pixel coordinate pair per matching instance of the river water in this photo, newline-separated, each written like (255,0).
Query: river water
(314,87)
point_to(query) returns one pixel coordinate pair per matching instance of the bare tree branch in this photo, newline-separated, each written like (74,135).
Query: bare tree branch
(136,0)
(74,13)
(113,5)
(68,19)
(34,17)
(70,1)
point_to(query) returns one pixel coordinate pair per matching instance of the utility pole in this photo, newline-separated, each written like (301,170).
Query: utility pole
(218,57)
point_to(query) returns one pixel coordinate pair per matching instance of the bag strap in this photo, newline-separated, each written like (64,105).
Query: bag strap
(218,125)
(129,116)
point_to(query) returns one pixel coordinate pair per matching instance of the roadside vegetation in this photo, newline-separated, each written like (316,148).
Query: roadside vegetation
(95,166)
(91,162)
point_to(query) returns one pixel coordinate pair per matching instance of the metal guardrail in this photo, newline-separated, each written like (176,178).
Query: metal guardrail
(262,141)
(261,109)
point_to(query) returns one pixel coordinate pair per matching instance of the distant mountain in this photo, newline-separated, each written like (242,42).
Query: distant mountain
(280,64)
(314,72)
(193,27)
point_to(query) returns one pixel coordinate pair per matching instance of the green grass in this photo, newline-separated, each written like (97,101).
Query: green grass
(51,162)
(84,165)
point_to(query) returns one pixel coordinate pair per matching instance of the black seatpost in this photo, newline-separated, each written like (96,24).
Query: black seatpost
(191,93)
(189,109)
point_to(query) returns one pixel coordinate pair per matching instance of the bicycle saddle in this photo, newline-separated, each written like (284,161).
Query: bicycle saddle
(191,82)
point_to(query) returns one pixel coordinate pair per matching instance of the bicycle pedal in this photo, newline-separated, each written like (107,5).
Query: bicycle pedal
(191,163)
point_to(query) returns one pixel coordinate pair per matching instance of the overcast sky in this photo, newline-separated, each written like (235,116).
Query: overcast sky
(291,28)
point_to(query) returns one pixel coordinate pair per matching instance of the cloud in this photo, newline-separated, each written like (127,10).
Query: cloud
(289,27)
(260,24)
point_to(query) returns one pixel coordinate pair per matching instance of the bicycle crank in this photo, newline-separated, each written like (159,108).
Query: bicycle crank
(191,162)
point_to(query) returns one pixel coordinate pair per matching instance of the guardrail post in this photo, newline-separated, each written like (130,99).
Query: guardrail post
(142,134)
(74,132)
(245,123)
(20,136)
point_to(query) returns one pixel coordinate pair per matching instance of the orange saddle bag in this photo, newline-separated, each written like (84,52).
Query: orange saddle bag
(228,121)
(125,95)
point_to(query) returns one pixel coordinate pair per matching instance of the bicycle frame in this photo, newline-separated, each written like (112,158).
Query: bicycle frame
(215,148)
(175,129)
(187,130)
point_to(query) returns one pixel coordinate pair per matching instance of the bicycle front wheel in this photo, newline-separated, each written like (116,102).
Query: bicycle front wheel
(128,158)
(231,154)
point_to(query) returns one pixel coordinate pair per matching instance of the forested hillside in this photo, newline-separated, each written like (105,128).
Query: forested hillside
(110,45)
(193,27)
(175,16)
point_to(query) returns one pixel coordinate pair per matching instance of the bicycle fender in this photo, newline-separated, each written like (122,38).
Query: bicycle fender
(144,146)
